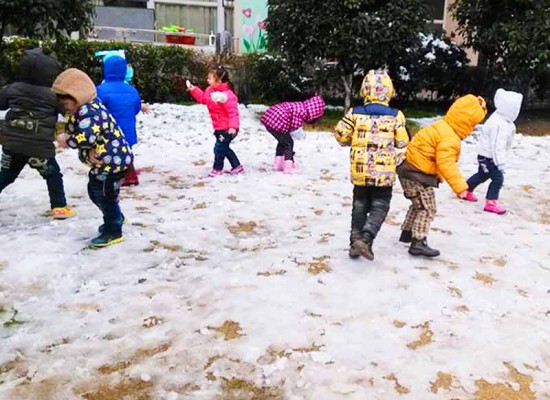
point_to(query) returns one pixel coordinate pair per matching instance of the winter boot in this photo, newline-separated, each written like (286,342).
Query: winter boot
(470,197)
(237,170)
(106,239)
(493,207)
(419,247)
(290,167)
(279,163)
(361,248)
(215,172)
(406,236)
(131,178)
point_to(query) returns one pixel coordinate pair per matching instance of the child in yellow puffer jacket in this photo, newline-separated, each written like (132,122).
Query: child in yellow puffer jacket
(374,131)
(431,157)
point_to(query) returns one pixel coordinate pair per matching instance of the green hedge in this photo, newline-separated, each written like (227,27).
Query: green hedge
(160,71)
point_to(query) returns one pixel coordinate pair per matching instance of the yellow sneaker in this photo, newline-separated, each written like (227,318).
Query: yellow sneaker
(61,213)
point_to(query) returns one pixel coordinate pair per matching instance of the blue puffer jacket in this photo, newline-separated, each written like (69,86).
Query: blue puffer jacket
(120,98)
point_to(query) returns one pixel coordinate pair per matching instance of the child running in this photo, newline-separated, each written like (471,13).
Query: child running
(374,131)
(284,121)
(29,131)
(101,145)
(495,141)
(222,105)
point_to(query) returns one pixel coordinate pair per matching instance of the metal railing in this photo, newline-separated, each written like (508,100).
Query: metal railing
(191,40)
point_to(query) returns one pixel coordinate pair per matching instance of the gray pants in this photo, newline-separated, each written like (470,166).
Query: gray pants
(370,208)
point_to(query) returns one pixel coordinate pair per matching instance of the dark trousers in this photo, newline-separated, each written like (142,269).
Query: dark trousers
(12,164)
(487,170)
(103,191)
(285,145)
(223,151)
(370,208)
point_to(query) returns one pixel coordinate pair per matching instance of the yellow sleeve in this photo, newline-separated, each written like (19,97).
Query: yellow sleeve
(446,156)
(345,128)
(401,135)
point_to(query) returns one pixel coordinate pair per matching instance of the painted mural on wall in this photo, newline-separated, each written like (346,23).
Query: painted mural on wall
(253,34)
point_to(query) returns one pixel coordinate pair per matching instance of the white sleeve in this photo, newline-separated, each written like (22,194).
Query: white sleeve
(500,146)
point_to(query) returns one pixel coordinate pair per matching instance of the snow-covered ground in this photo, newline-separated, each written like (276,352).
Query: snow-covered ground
(240,287)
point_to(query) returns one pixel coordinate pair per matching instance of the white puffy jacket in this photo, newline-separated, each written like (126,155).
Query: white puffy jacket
(498,132)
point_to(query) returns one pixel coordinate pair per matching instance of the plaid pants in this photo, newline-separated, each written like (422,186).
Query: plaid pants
(422,210)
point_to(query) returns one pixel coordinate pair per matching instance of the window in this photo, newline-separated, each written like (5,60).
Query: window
(437,13)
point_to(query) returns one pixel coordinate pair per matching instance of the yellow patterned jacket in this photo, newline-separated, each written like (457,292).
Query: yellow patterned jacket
(374,131)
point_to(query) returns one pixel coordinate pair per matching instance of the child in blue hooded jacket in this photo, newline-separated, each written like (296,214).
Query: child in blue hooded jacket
(124,103)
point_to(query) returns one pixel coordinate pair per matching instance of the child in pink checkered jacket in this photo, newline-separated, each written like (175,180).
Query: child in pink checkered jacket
(284,121)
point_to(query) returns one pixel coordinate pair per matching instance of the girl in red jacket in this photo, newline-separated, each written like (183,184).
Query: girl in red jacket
(224,111)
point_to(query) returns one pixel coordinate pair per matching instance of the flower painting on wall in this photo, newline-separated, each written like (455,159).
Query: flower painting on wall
(253,26)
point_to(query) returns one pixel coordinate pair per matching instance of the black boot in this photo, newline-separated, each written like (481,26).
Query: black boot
(419,247)
(361,248)
(406,236)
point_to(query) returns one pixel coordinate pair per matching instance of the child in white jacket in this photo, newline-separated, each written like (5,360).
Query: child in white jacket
(495,141)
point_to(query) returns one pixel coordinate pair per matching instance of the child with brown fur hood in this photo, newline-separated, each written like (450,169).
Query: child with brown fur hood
(101,145)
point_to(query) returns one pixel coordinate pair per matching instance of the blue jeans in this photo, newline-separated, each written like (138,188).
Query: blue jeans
(103,191)
(223,151)
(48,168)
(487,170)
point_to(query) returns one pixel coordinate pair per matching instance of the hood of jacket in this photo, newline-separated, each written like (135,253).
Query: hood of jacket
(508,104)
(75,83)
(115,68)
(37,68)
(314,108)
(465,113)
(377,87)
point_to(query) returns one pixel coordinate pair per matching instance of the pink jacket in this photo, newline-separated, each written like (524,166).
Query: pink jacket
(224,111)
(289,116)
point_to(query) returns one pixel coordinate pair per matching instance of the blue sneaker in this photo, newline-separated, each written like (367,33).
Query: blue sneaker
(106,239)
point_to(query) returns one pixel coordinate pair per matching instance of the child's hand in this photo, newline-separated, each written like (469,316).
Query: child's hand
(61,140)
(463,194)
(189,85)
(92,157)
(232,131)
(144,108)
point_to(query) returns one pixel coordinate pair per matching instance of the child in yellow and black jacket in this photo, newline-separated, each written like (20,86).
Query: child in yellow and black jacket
(374,131)
(101,145)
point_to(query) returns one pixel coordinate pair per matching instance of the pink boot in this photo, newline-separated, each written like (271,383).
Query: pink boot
(470,197)
(279,163)
(237,170)
(289,167)
(215,172)
(492,206)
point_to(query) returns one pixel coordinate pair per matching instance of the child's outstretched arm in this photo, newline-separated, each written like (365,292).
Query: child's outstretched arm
(196,92)
(446,156)
(344,130)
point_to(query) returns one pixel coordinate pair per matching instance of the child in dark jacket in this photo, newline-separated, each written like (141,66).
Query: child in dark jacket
(29,131)
(123,102)
(284,121)
(101,145)
(223,107)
